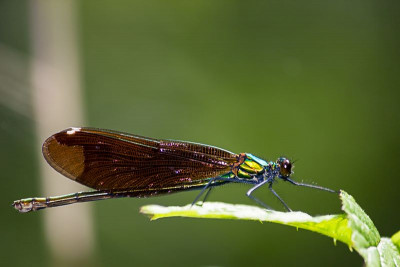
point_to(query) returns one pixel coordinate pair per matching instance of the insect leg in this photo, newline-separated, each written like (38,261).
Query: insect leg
(310,185)
(254,198)
(223,180)
(280,199)
(204,189)
(207,194)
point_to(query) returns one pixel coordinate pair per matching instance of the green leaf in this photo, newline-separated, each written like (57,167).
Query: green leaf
(364,233)
(353,228)
(334,226)
(396,240)
(389,254)
(375,250)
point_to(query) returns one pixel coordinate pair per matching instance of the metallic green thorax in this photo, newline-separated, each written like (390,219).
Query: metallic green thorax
(249,166)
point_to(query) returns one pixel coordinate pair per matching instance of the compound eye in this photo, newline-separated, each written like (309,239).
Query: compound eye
(286,167)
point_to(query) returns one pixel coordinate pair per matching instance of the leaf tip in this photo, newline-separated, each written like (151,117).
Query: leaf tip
(146,210)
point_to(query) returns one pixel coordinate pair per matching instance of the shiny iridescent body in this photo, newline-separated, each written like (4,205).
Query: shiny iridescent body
(117,165)
(250,169)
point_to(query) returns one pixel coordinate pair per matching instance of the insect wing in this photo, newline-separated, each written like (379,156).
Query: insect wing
(109,160)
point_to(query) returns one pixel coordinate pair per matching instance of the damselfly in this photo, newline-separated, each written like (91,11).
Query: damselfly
(118,165)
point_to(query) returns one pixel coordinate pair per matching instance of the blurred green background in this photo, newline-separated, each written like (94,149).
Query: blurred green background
(316,81)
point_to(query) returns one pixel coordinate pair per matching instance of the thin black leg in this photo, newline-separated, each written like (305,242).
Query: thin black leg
(223,180)
(280,199)
(207,194)
(310,185)
(205,197)
(202,190)
(256,199)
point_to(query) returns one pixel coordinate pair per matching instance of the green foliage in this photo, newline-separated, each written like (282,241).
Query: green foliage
(354,227)
(396,240)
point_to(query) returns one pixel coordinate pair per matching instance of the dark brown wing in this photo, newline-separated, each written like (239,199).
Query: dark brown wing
(107,160)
